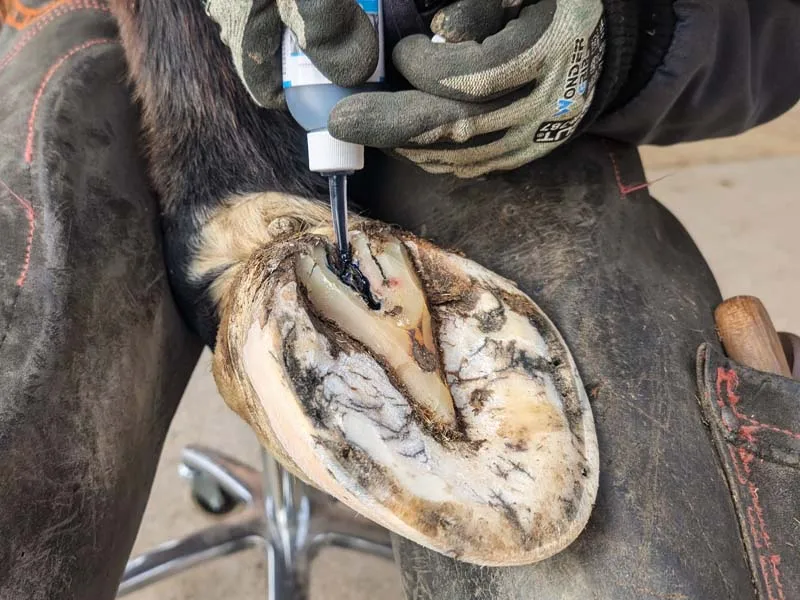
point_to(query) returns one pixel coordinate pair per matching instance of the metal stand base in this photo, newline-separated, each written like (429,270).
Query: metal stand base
(290,520)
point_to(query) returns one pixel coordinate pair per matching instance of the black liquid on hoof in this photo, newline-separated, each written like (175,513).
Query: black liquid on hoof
(347,271)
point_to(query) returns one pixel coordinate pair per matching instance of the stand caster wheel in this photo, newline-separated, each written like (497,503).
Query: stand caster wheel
(207,493)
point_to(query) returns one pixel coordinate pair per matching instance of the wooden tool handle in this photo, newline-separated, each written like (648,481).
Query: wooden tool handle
(748,335)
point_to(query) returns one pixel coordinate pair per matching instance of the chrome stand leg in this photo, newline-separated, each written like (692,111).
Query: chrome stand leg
(172,558)
(292,521)
(287,511)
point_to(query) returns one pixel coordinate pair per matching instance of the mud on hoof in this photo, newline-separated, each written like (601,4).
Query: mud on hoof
(452,414)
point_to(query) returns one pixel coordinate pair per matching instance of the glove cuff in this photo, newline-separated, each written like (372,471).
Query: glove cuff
(638,34)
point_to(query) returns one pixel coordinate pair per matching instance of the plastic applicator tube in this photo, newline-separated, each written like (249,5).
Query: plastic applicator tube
(310,97)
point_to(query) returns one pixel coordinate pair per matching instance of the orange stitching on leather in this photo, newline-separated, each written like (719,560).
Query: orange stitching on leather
(19,16)
(45,20)
(43,85)
(31,216)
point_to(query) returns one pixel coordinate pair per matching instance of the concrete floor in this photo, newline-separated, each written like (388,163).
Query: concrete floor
(738,198)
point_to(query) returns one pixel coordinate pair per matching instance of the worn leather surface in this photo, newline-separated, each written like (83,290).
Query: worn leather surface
(633,297)
(754,419)
(93,355)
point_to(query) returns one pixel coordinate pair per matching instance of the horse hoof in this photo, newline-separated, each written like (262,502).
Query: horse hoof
(432,396)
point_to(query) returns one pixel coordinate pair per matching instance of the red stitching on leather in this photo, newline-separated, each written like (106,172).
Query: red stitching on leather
(625,189)
(773,561)
(755,514)
(43,85)
(31,216)
(47,19)
(730,377)
(741,460)
(746,458)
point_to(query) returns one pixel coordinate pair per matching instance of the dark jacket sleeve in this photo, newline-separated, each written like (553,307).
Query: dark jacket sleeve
(685,70)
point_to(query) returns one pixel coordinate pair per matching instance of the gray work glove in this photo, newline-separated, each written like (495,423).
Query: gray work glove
(485,104)
(336,35)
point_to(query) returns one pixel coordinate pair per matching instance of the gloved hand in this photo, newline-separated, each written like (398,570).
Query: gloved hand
(485,104)
(336,35)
